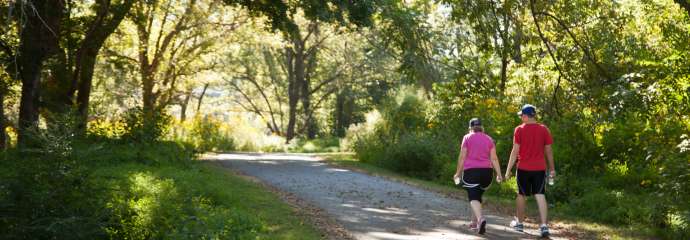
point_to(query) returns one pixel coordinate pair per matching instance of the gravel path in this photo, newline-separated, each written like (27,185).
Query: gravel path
(369,207)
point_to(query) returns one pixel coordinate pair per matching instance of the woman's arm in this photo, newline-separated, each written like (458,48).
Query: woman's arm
(496,165)
(461,161)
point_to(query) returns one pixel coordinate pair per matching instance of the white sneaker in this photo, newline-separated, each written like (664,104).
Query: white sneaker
(517,225)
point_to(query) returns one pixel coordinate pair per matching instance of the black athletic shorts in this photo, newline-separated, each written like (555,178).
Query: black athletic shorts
(531,182)
(476,181)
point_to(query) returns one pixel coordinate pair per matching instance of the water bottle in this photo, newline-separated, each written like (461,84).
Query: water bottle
(550,179)
(456,180)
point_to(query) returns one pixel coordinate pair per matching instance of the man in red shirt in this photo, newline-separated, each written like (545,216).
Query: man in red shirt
(531,142)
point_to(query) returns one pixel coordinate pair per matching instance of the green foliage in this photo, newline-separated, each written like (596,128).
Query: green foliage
(104,188)
(319,145)
(35,188)
(209,134)
(93,187)
(395,139)
(156,204)
(614,171)
(144,126)
(212,134)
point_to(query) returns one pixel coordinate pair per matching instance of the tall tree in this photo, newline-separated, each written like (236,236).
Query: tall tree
(171,37)
(497,29)
(48,31)
(39,25)
(8,47)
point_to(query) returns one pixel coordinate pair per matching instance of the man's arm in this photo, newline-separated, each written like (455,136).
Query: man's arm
(511,160)
(549,156)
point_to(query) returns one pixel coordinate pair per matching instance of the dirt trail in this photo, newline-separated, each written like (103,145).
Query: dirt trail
(369,207)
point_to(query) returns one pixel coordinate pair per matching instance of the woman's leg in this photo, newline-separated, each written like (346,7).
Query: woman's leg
(476,210)
(473,220)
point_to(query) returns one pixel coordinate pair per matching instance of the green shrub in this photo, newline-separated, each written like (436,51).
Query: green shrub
(141,126)
(149,206)
(325,144)
(45,192)
(100,188)
(411,154)
(209,134)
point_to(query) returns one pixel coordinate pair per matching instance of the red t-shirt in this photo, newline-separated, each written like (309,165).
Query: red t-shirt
(532,138)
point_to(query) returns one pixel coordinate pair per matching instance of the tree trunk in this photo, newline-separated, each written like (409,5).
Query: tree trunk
(339,115)
(183,106)
(504,72)
(309,124)
(201,98)
(38,39)
(293,93)
(85,81)
(517,42)
(88,54)
(149,104)
(505,50)
(3,134)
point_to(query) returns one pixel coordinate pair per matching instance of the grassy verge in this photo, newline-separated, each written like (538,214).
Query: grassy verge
(110,189)
(501,199)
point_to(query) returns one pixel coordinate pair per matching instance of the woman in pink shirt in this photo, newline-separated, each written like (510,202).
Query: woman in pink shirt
(475,163)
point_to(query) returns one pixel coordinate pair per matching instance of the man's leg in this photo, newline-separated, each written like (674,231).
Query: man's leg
(543,207)
(520,205)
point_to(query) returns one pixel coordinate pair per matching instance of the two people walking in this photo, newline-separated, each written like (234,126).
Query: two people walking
(478,161)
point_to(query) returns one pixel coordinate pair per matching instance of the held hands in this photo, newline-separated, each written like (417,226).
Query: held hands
(508,175)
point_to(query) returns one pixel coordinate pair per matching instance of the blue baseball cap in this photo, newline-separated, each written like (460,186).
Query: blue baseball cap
(528,110)
(475,122)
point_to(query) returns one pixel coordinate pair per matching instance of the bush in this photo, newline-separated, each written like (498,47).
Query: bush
(40,179)
(140,127)
(104,188)
(379,139)
(237,134)
(412,154)
(326,144)
(209,134)
(149,206)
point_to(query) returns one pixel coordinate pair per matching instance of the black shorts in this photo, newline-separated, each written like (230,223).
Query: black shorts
(476,181)
(531,182)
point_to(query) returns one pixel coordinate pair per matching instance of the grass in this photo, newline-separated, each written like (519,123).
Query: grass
(280,219)
(133,191)
(501,199)
(319,145)
(276,219)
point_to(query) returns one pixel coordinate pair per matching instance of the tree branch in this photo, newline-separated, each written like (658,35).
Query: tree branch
(251,79)
(109,52)
(551,54)
(591,57)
